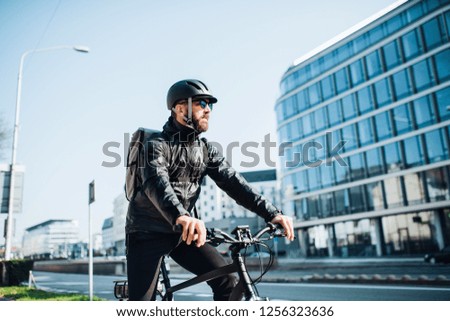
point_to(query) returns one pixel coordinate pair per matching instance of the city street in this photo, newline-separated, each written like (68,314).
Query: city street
(103,287)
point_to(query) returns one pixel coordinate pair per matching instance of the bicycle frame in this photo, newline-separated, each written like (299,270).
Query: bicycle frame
(244,287)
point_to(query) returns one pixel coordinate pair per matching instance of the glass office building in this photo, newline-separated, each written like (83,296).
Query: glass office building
(366,119)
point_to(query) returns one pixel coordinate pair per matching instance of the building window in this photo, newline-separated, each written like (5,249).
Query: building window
(279,111)
(443,103)
(342,172)
(436,145)
(414,188)
(365,100)
(373,64)
(313,178)
(366,134)
(383,126)
(283,133)
(320,119)
(392,56)
(342,202)
(335,113)
(432,32)
(402,85)
(423,76)
(411,45)
(357,166)
(414,13)
(383,93)
(326,204)
(442,65)
(423,112)
(295,129)
(327,87)
(394,195)
(321,147)
(349,135)
(402,119)
(395,23)
(307,125)
(302,100)
(335,139)
(342,83)
(413,151)
(313,203)
(447,20)
(437,184)
(301,209)
(357,199)
(301,182)
(374,163)
(348,107)
(357,72)
(327,175)
(374,192)
(314,94)
(392,157)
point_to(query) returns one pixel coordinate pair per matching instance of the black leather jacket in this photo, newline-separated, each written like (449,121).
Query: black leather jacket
(172,179)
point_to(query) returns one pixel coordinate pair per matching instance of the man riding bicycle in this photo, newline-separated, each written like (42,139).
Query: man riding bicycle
(176,161)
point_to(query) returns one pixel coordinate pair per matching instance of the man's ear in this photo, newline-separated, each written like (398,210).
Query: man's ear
(180,109)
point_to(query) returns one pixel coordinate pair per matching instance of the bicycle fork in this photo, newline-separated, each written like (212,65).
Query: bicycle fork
(245,283)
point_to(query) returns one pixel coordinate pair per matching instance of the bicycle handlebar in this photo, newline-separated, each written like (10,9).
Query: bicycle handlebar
(217,236)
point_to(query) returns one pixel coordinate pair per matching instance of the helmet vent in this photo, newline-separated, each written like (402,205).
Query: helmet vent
(206,87)
(197,86)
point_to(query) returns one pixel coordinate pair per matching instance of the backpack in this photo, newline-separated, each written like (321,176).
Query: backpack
(136,159)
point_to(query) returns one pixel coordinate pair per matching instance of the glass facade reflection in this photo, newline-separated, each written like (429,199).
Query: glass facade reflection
(378,102)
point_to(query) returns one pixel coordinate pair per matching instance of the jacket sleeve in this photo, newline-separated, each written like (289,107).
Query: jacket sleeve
(156,182)
(237,187)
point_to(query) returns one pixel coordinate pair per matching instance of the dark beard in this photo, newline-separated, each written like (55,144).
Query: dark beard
(197,126)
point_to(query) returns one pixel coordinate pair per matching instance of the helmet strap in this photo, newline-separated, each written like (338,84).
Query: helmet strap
(188,118)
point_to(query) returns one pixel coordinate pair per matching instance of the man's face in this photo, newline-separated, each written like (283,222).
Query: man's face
(200,113)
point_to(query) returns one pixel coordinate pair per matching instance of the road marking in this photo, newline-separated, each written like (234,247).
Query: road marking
(353,286)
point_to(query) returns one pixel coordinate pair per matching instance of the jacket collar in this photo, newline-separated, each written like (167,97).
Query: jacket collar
(179,132)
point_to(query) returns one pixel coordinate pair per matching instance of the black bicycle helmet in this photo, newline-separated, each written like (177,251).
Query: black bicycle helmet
(188,88)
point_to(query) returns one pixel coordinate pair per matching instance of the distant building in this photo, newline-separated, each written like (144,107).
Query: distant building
(120,214)
(214,204)
(108,238)
(383,88)
(97,244)
(50,239)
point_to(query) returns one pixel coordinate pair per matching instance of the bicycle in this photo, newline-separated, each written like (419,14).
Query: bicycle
(242,239)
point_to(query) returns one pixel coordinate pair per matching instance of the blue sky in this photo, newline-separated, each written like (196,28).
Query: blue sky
(72,103)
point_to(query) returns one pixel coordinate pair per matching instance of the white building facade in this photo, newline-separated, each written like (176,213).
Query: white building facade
(214,204)
(50,239)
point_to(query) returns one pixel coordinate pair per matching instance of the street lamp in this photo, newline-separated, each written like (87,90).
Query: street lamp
(9,230)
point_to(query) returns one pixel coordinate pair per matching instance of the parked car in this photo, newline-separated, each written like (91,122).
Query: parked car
(443,256)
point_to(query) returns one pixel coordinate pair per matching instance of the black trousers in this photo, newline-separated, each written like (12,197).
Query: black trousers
(144,255)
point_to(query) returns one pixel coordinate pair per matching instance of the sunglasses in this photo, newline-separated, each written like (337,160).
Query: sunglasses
(204,104)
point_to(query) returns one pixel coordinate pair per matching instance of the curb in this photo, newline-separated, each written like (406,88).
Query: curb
(362,279)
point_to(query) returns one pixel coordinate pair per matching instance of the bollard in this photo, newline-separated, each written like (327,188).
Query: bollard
(31,280)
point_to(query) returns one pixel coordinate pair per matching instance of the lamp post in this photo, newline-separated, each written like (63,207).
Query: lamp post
(9,230)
